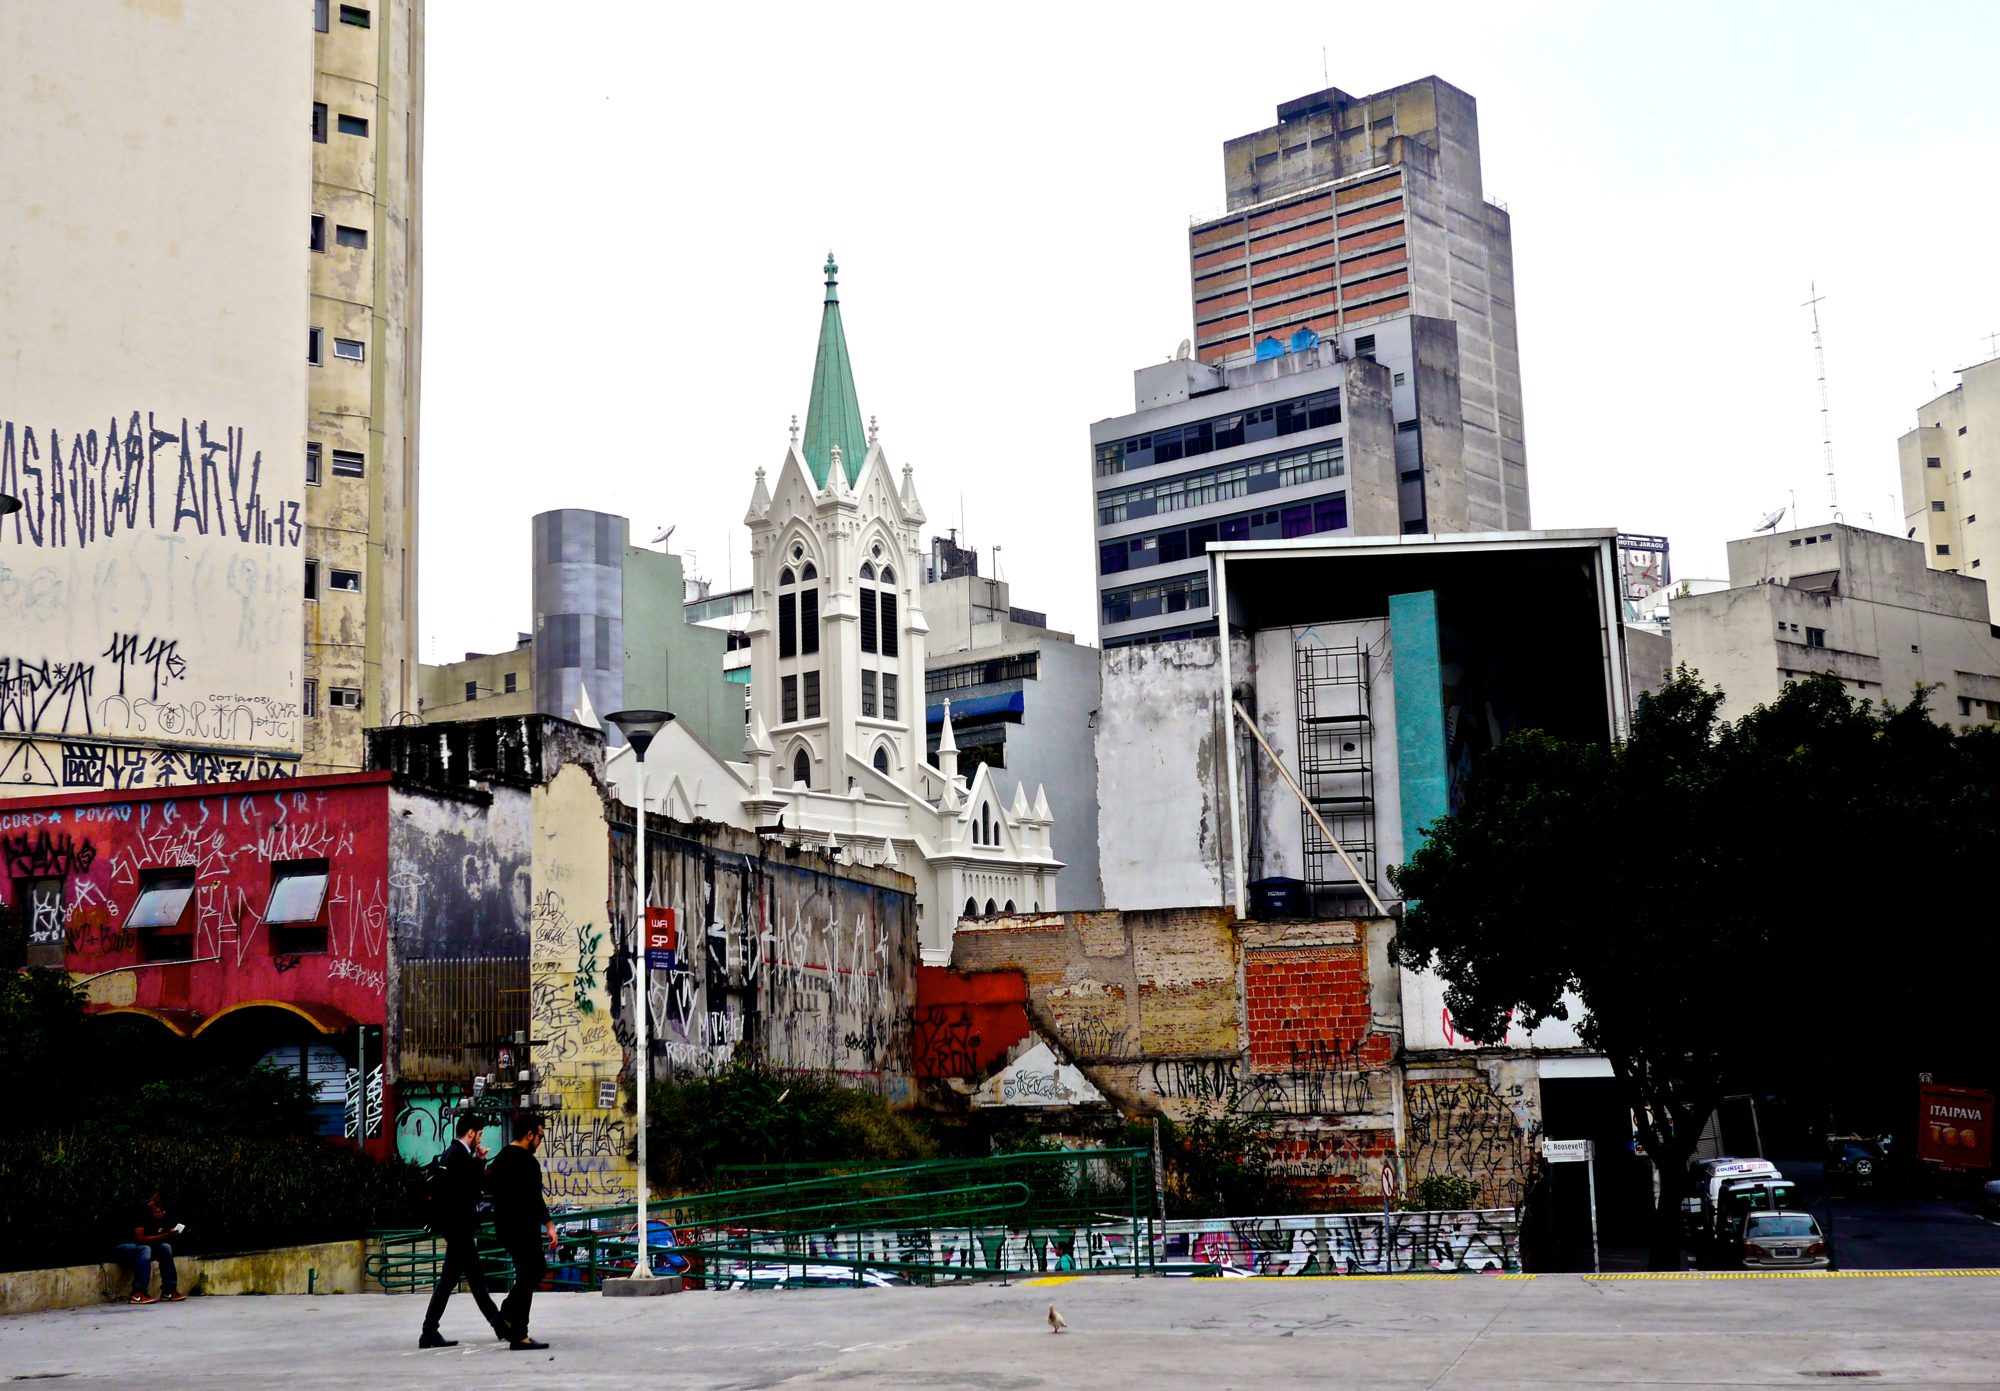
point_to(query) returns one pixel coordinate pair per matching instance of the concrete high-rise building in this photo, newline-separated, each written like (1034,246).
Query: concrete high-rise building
(1951,473)
(1842,599)
(365,345)
(216,556)
(1353,365)
(610,621)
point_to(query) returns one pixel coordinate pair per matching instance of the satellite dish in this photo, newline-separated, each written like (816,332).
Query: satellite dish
(1181,353)
(1771,520)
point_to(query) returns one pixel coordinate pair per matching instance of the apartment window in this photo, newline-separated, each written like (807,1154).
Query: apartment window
(309,699)
(317,240)
(356,237)
(158,913)
(298,897)
(312,579)
(812,695)
(1364,346)
(319,123)
(312,462)
(355,15)
(889,694)
(868,706)
(320,8)
(1815,637)
(1933,463)
(1937,507)
(472,690)
(509,683)
(349,463)
(1961,429)
(1399,379)
(349,348)
(344,697)
(315,346)
(788,711)
(352,125)
(1971,517)
(1943,549)
(1975,564)
(1404,427)
(345,581)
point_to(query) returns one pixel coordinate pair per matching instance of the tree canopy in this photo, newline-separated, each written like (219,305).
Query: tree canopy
(1795,896)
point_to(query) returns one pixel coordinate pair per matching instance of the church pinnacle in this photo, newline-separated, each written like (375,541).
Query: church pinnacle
(833,415)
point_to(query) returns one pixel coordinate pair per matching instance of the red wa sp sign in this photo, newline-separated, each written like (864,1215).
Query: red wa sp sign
(1955,1127)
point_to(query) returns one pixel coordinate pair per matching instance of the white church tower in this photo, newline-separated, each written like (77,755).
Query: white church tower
(835,738)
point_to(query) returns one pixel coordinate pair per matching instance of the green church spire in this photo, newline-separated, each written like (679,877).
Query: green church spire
(833,416)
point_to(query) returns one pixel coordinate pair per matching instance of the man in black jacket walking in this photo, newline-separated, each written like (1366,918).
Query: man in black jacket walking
(457,1221)
(520,1218)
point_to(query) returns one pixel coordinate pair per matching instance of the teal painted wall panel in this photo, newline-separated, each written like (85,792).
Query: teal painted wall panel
(1420,746)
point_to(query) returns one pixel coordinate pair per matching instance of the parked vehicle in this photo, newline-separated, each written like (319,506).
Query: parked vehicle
(1699,1172)
(1738,1198)
(1855,1162)
(1989,1200)
(1784,1241)
(797,1277)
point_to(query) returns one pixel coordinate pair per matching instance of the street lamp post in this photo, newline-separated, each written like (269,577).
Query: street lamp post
(639,727)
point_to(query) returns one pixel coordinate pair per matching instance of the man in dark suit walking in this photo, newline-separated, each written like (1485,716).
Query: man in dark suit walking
(520,1219)
(457,1221)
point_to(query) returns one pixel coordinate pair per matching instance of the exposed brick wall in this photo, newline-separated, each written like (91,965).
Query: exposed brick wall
(1310,1006)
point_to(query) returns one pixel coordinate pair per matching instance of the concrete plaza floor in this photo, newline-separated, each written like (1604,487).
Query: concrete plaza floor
(1467,1331)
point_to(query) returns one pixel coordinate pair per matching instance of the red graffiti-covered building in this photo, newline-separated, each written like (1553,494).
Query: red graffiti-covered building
(252,918)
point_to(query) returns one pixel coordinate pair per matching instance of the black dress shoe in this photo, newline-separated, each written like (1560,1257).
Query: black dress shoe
(433,1339)
(526,1345)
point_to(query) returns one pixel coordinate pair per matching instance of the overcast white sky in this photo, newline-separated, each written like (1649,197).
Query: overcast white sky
(627,205)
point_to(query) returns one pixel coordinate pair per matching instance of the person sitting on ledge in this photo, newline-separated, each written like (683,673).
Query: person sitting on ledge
(152,1231)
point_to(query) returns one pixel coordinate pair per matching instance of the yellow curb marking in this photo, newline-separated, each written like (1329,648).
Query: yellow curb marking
(1790,1274)
(1042,1280)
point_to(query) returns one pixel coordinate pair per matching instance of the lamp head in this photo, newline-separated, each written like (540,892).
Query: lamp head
(639,727)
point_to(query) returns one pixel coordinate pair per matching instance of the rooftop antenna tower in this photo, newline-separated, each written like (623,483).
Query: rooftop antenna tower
(1825,417)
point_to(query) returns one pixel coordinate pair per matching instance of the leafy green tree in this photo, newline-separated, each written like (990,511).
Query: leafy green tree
(1713,894)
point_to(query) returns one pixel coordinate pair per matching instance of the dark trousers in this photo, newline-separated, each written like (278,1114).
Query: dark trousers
(142,1254)
(525,1250)
(461,1259)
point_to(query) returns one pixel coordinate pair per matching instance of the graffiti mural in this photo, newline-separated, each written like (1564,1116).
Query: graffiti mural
(1354,1243)
(1465,1127)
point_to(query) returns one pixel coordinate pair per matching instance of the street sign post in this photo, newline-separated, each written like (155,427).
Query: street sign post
(659,939)
(1388,1196)
(1582,1152)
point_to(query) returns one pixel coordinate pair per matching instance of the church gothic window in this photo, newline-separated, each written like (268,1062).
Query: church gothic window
(882,759)
(802,769)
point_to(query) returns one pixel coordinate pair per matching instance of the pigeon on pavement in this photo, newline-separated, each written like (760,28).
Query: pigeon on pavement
(1057,1323)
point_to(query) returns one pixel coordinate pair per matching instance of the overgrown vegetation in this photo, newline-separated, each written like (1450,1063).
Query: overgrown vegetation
(107,1110)
(1819,851)
(1442,1193)
(746,1115)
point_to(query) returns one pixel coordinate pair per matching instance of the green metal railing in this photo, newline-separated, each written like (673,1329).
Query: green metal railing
(831,1224)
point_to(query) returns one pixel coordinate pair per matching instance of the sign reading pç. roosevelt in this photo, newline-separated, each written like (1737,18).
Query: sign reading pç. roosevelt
(1955,1127)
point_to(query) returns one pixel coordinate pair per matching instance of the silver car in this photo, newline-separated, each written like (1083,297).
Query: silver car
(1784,1241)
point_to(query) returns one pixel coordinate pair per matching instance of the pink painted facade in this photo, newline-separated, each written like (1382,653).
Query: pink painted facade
(307,992)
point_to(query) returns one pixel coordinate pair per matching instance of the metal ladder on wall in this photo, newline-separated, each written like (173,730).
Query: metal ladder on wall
(1336,772)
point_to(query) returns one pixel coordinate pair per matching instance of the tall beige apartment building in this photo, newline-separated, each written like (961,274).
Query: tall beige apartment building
(210,328)
(364,350)
(1951,476)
